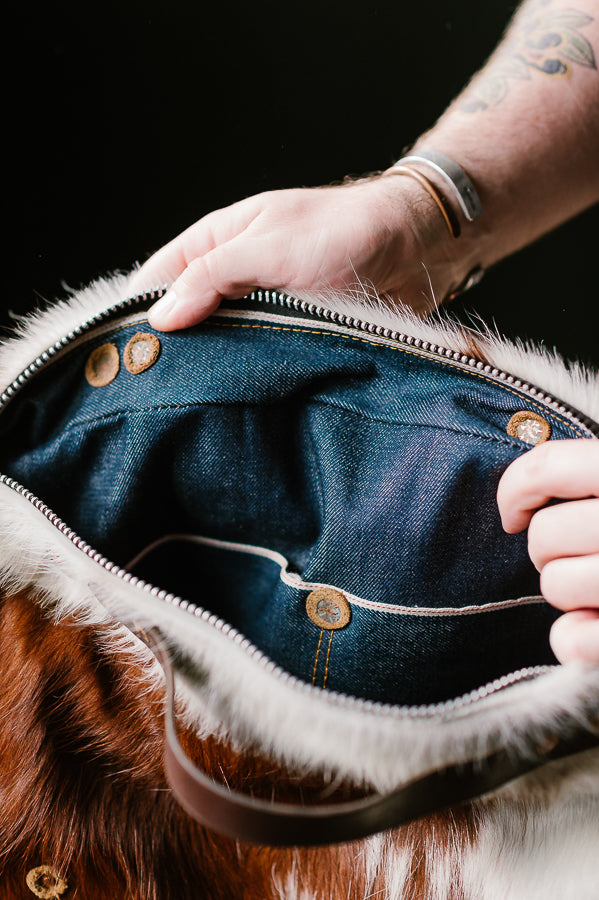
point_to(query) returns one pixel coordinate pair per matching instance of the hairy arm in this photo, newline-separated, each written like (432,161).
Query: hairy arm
(526,131)
(526,128)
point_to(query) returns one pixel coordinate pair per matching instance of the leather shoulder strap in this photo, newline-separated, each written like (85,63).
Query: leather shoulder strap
(247,818)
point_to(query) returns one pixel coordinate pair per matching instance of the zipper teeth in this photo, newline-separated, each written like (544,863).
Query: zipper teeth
(291,303)
(278,298)
(412,712)
(47,356)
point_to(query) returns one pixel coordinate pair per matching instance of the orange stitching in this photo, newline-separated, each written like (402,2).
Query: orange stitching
(326,668)
(385,346)
(317,654)
(131,325)
(99,333)
(380,344)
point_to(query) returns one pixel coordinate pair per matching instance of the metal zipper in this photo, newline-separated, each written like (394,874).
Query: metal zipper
(285,301)
(49,355)
(311,310)
(427,348)
(424,711)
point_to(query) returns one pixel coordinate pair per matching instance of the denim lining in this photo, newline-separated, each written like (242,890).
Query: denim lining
(423,356)
(543,410)
(73,426)
(332,524)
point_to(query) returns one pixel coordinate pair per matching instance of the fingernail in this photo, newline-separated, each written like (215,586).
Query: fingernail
(159,314)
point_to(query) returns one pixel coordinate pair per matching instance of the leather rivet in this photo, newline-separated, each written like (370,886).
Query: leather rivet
(102,365)
(46,882)
(141,352)
(529,427)
(328,608)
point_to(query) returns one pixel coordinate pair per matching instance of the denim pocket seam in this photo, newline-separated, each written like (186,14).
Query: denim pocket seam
(106,417)
(442,362)
(514,444)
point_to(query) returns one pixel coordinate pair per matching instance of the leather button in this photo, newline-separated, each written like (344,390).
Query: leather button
(141,352)
(529,427)
(46,882)
(102,365)
(328,608)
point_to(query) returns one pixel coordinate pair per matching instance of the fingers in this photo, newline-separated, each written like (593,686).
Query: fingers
(568,529)
(563,540)
(230,270)
(198,263)
(556,469)
(575,635)
(211,231)
(572,582)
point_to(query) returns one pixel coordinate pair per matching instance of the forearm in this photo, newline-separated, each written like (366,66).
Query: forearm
(529,142)
(526,129)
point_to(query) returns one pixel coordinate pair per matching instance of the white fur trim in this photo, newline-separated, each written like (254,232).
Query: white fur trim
(239,689)
(537,839)
(571,383)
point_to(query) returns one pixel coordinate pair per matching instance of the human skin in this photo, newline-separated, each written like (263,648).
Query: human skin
(563,538)
(526,131)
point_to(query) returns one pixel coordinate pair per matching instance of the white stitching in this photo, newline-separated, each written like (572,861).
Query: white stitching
(294,580)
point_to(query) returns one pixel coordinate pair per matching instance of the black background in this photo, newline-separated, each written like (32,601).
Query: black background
(129,120)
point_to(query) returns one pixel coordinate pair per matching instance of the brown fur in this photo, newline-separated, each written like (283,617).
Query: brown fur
(82,786)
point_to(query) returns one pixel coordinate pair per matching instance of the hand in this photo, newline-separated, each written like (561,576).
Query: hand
(563,540)
(382,232)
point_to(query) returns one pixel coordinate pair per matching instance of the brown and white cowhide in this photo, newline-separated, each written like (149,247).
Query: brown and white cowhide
(83,792)
(86,813)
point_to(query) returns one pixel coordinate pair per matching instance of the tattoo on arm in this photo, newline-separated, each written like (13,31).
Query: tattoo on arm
(540,40)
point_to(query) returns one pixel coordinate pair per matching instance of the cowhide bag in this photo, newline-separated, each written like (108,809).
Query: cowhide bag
(262,634)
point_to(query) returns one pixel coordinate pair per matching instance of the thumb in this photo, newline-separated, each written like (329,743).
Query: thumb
(228,270)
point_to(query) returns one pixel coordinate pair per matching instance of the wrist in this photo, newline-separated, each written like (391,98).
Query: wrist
(528,183)
(501,227)
(432,257)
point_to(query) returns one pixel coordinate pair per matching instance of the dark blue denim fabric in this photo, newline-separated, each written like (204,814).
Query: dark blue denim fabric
(369,468)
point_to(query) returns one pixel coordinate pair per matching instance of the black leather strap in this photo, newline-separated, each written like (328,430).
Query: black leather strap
(259,821)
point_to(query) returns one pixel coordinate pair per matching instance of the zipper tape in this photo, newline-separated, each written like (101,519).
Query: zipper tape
(281,824)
